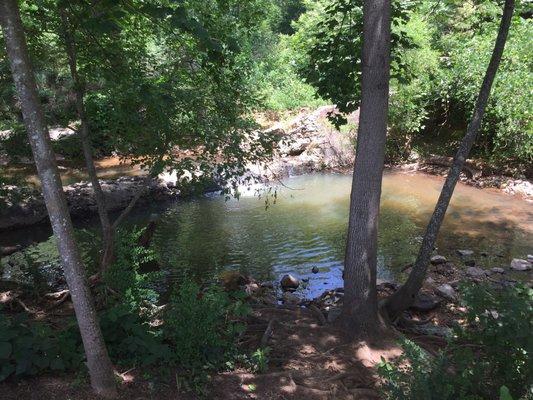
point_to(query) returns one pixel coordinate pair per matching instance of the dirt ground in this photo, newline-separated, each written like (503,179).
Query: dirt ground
(307,361)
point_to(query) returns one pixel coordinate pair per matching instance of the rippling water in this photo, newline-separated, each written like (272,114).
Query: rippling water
(305,224)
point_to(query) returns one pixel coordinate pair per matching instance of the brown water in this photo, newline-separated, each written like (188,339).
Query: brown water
(305,227)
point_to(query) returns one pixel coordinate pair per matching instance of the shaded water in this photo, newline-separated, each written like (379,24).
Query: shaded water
(305,226)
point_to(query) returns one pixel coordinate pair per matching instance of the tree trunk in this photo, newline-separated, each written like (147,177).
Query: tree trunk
(360,311)
(99,365)
(79,89)
(405,296)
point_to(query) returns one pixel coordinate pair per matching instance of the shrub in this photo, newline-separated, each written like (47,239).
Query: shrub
(487,358)
(201,325)
(28,348)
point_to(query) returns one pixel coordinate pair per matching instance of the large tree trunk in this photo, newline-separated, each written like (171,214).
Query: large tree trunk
(405,296)
(79,89)
(99,365)
(360,311)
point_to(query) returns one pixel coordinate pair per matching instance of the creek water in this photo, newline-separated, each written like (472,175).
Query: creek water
(302,224)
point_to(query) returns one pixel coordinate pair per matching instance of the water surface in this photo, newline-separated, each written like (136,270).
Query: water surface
(302,224)
(305,226)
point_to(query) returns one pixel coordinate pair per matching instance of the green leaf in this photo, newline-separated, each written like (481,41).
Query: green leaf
(505,394)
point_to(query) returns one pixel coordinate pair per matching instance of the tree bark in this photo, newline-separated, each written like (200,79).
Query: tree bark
(360,310)
(99,365)
(405,296)
(79,89)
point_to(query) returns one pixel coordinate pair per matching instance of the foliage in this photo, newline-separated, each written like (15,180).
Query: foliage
(202,325)
(334,64)
(487,358)
(28,348)
(124,275)
(130,339)
(466,35)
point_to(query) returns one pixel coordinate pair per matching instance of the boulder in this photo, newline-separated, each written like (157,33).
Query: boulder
(425,302)
(520,265)
(465,253)
(446,291)
(475,272)
(289,282)
(436,260)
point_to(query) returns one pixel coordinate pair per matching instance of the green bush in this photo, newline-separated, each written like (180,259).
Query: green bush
(29,348)
(202,325)
(488,358)
(124,275)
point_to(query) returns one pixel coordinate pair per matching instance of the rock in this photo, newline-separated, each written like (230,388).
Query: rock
(436,260)
(475,272)
(465,253)
(291,298)
(333,314)
(530,258)
(251,288)
(425,302)
(314,270)
(497,270)
(430,281)
(267,285)
(520,265)
(470,263)
(8,250)
(446,291)
(289,282)
(445,269)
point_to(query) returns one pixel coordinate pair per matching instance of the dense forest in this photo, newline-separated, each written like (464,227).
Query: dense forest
(134,263)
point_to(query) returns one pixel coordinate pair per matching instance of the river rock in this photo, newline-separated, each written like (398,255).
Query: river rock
(436,260)
(530,258)
(291,298)
(425,302)
(8,250)
(497,270)
(314,270)
(475,272)
(520,265)
(333,314)
(465,253)
(289,282)
(446,291)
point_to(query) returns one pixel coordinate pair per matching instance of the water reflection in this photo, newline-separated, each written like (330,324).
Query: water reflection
(306,228)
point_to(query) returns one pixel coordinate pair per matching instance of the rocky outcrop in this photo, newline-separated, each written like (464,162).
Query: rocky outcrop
(29,208)
(308,143)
